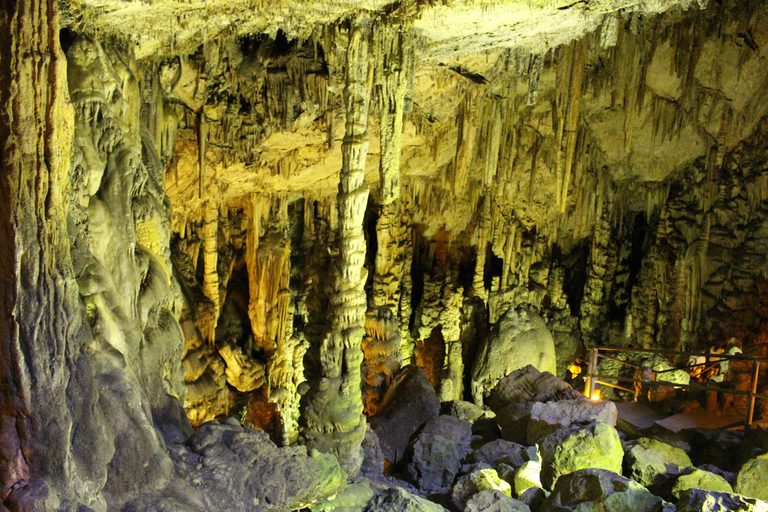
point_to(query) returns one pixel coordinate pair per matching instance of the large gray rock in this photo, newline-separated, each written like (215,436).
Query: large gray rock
(520,338)
(431,462)
(698,479)
(595,445)
(457,430)
(476,481)
(513,398)
(399,500)
(528,385)
(697,500)
(651,463)
(493,500)
(492,453)
(373,457)
(354,498)
(462,410)
(587,490)
(551,416)
(240,469)
(409,402)
(753,478)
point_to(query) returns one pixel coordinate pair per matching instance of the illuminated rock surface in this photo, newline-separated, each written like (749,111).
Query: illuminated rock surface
(226,226)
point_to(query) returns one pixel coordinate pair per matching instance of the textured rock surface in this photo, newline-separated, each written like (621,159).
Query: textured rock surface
(398,500)
(752,478)
(652,462)
(477,481)
(704,480)
(551,416)
(520,338)
(236,468)
(598,489)
(697,500)
(431,462)
(493,500)
(595,445)
(409,404)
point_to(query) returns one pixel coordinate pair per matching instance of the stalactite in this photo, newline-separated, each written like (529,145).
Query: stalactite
(332,419)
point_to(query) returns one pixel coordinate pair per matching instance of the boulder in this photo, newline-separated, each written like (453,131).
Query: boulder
(519,338)
(550,416)
(354,498)
(651,463)
(431,462)
(515,395)
(528,475)
(534,498)
(513,421)
(240,469)
(476,481)
(373,457)
(462,410)
(729,476)
(752,480)
(594,445)
(698,479)
(492,453)
(409,402)
(591,489)
(698,500)
(529,385)
(493,500)
(396,499)
(457,430)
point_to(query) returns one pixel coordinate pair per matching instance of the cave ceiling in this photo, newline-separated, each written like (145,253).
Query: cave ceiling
(653,95)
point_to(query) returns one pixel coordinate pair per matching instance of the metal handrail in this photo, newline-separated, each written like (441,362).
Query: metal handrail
(593,378)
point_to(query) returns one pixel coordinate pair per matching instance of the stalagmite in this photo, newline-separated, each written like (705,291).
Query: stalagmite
(332,418)
(211,262)
(452,383)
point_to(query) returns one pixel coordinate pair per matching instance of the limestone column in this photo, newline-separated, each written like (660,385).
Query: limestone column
(40,319)
(332,414)
(211,262)
(452,384)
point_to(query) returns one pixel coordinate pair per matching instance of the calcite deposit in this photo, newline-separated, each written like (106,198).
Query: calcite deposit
(249,248)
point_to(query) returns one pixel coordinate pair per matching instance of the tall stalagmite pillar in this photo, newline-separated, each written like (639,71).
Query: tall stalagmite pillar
(332,416)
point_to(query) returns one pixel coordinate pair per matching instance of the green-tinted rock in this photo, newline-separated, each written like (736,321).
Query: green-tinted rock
(697,500)
(354,498)
(698,479)
(596,490)
(753,478)
(651,462)
(476,481)
(527,476)
(595,445)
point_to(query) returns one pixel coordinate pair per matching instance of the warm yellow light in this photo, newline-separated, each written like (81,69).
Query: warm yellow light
(574,369)
(596,396)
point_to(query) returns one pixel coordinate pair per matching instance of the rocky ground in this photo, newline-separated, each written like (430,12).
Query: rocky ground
(538,447)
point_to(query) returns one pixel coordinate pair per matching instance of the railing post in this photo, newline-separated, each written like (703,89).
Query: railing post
(591,370)
(751,398)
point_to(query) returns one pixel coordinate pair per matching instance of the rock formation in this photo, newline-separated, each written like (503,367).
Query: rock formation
(312,217)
